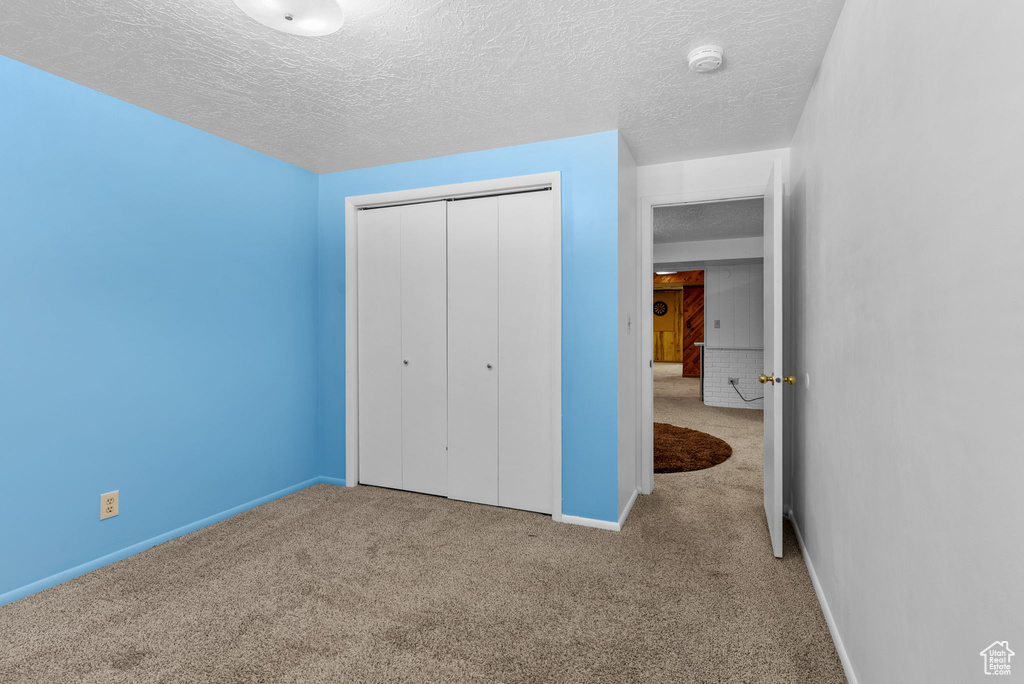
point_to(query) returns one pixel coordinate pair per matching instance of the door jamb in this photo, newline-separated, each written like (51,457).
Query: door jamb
(442,192)
(646,322)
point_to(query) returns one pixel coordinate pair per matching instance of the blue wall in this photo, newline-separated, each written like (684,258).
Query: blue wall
(589,168)
(172,322)
(157,324)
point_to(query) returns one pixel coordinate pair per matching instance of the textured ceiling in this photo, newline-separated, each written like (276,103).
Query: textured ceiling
(411,79)
(709,221)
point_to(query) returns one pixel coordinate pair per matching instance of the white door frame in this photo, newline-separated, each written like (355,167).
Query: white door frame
(646,289)
(459,190)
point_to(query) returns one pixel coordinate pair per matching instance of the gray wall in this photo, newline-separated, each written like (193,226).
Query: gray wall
(908,469)
(734,296)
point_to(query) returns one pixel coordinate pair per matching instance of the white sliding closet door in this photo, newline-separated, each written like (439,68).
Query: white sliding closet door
(380,348)
(424,307)
(403,347)
(527,329)
(458,330)
(473,350)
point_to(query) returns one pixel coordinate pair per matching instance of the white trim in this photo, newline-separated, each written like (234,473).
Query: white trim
(556,350)
(591,522)
(351,347)
(725,249)
(535,181)
(844,657)
(628,508)
(459,190)
(646,322)
(642,252)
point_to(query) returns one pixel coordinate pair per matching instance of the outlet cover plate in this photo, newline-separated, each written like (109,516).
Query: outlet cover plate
(109,504)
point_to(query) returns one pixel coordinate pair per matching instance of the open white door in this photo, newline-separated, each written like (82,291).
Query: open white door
(772,378)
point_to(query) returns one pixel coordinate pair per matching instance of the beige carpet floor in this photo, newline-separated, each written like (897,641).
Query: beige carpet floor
(372,585)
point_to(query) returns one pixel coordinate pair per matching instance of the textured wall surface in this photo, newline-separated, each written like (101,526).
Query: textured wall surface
(407,80)
(157,309)
(590,298)
(907,473)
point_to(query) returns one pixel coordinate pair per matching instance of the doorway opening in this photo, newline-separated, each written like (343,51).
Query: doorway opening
(707,312)
(742,263)
(679,319)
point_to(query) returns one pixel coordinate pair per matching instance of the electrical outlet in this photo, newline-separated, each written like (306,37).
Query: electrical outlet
(108,504)
(718,323)
(734,381)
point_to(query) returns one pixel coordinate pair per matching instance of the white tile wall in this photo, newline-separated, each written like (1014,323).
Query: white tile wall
(722,364)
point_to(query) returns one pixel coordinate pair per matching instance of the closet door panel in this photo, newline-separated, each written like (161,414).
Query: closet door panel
(526,331)
(472,345)
(380,348)
(423,276)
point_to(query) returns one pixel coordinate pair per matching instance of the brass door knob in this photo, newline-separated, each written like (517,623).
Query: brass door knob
(789,379)
(764,379)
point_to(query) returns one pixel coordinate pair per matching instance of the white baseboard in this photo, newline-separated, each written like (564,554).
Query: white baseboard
(844,657)
(604,524)
(591,522)
(628,508)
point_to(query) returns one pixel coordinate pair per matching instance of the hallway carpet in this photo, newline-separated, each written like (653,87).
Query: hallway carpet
(372,585)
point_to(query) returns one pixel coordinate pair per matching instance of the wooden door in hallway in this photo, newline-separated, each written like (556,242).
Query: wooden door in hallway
(668,339)
(692,321)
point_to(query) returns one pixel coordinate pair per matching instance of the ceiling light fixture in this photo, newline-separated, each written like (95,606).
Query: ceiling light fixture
(297,17)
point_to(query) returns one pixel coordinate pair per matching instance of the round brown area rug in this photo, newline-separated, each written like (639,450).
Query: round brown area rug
(677,449)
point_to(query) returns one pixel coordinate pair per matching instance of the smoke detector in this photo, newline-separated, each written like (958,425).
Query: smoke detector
(705,58)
